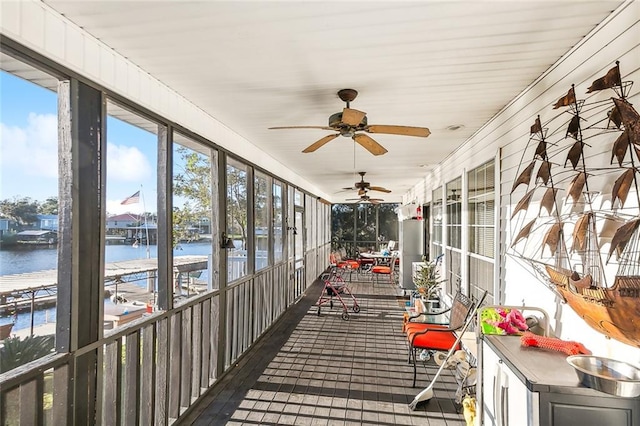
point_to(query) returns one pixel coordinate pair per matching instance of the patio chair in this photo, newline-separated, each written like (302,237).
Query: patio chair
(436,319)
(338,259)
(388,270)
(366,264)
(438,336)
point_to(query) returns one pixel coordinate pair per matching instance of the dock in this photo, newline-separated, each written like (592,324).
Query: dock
(25,291)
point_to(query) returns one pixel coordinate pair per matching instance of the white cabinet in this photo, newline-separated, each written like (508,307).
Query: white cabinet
(518,405)
(506,400)
(524,386)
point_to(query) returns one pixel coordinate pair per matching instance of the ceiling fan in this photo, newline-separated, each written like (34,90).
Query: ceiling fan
(363,186)
(366,199)
(350,121)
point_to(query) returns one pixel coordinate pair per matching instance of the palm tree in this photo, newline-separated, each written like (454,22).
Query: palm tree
(17,352)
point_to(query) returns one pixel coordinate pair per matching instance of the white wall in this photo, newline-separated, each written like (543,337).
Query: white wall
(507,134)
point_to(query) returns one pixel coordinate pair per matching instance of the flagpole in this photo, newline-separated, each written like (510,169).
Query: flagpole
(146,226)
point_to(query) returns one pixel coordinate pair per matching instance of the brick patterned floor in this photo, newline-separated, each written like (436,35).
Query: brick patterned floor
(312,369)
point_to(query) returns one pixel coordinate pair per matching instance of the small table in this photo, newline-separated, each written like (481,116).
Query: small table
(377,257)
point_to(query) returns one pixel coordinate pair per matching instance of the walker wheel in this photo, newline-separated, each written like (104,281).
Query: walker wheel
(356,308)
(345,316)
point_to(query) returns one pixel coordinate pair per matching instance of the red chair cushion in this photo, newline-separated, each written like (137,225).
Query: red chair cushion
(412,327)
(381,270)
(441,341)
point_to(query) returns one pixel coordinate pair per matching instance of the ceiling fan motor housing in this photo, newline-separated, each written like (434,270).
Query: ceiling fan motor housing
(335,121)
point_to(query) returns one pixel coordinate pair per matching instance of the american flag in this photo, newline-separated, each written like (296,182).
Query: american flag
(135,198)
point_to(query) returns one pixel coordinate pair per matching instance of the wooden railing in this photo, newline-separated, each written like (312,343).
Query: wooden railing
(151,370)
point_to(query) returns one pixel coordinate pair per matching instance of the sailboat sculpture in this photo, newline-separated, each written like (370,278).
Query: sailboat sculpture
(583,239)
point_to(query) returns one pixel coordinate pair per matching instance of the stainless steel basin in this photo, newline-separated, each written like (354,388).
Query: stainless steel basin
(607,375)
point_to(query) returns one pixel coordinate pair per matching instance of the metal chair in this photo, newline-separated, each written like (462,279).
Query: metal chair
(389,270)
(339,259)
(434,336)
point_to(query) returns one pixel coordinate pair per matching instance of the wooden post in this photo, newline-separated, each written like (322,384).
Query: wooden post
(33,310)
(82,173)
(165,219)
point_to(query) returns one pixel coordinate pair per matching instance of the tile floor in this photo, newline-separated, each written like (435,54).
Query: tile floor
(312,369)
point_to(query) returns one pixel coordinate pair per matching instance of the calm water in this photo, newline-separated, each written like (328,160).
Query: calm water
(30,259)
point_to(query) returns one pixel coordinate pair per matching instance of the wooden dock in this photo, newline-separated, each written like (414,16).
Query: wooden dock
(39,288)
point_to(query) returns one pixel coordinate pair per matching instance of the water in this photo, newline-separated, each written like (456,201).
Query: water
(23,319)
(31,259)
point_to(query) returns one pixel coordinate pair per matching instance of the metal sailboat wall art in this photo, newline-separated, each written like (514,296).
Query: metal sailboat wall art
(576,218)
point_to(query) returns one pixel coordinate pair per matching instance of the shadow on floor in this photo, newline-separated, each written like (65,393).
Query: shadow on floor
(319,369)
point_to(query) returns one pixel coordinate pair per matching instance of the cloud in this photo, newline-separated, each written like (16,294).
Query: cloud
(32,149)
(126,164)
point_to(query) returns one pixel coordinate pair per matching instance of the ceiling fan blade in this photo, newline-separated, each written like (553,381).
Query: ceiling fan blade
(375,200)
(399,130)
(301,127)
(319,143)
(353,199)
(369,144)
(352,117)
(379,189)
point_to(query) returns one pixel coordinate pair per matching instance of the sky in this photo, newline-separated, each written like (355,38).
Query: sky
(28,150)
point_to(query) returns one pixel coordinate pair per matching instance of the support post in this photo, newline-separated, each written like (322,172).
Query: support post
(82,172)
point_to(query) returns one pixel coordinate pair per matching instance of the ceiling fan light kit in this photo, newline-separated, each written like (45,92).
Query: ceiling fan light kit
(351,121)
(366,199)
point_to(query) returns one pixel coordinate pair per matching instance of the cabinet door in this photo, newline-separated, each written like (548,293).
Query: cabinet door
(518,406)
(506,401)
(569,410)
(490,376)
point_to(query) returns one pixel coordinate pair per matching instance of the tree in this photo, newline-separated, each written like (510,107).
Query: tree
(16,352)
(388,221)
(361,219)
(49,206)
(193,183)
(22,210)
(261,196)
(342,216)
(366,224)
(237,201)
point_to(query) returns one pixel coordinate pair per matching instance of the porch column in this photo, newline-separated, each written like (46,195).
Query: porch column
(82,170)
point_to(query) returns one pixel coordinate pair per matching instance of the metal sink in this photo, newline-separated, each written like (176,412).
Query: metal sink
(607,375)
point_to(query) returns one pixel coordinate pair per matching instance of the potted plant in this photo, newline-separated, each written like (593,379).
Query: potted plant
(427,280)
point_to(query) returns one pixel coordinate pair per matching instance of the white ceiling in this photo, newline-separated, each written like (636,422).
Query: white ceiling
(254,65)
